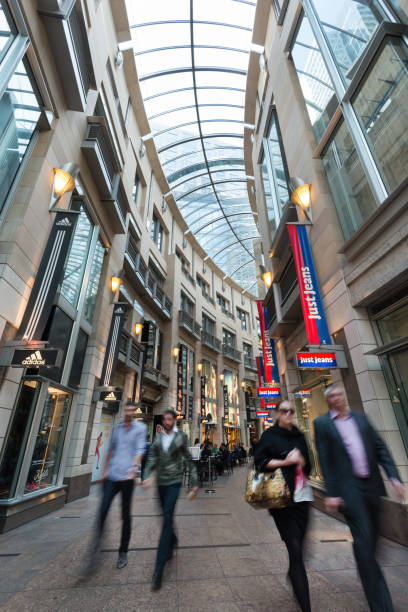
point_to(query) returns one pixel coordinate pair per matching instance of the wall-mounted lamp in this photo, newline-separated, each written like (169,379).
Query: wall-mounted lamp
(138,328)
(176,351)
(64,181)
(222,378)
(243,384)
(267,279)
(301,196)
(116,282)
(200,367)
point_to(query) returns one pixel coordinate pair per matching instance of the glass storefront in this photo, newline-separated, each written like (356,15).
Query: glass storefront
(35,440)
(102,444)
(310,404)
(46,457)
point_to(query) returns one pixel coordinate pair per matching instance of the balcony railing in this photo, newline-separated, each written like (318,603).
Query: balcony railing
(231,353)
(100,154)
(156,376)
(250,362)
(208,297)
(227,313)
(187,274)
(140,270)
(210,341)
(188,322)
(130,351)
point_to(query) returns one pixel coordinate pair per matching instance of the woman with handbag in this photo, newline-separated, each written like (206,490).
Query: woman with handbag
(284,446)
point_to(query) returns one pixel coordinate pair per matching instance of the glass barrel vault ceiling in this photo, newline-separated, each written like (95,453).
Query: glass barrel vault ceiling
(192,59)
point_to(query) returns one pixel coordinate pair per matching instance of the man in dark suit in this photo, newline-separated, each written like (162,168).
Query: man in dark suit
(350,452)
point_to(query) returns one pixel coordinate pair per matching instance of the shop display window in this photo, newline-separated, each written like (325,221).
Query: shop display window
(45,461)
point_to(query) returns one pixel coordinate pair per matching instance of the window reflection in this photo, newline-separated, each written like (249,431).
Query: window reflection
(314,79)
(75,265)
(93,284)
(381,106)
(7,29)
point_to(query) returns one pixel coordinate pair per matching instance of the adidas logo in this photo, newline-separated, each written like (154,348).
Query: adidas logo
(119,310)
(35,359)
(111,397)
(65,222)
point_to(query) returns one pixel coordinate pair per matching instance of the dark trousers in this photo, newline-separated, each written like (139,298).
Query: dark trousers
(110,489)
(362,516)
(292,525)
(168,498)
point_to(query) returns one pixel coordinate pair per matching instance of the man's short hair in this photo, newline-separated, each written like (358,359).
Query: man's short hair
(170,411)
(334,387)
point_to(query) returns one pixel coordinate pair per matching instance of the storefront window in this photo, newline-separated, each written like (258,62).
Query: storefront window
(44,466)
(348,26)
(210,372)
(318,92)
(58,334)
(268,196)
(382,109)
(7,29)
(78,360)
(191,370)
(17,438)
(348,183)
(93,284)
(394,325)
(310,405)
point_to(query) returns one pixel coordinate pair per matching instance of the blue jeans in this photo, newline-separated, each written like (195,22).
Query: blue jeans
(110,489)
(168,498)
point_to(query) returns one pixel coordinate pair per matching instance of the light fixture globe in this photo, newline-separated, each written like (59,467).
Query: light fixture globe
(116,282)
(301,193)
(267,279)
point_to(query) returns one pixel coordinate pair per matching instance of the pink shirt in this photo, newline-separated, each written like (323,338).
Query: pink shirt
(351,436)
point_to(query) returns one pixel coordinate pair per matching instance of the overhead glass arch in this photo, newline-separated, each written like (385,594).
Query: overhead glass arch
(192,59)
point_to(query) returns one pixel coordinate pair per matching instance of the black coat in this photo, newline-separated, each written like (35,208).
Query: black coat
(275,443)
(336,463)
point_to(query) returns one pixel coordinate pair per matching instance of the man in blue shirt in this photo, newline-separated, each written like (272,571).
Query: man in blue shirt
(121,468)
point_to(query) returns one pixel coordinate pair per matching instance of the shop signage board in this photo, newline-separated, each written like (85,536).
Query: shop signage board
(36,358)
(111,396)
(270,364)
(316,360)
(315,319)
(225,398)
(48,277)
(202,396)
(112,346)
(269,406)
(266,392)
(262,413)
(180,407)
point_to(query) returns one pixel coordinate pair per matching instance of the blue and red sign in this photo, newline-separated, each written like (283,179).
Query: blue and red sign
(268,391)
(312,305)
(270,364)
(262,413)
(302,392)
(316,360)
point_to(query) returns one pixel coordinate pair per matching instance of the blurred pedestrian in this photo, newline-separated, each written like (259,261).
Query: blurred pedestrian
(148,445)
(165,458)
(284,446)
(350,452)
(122,466)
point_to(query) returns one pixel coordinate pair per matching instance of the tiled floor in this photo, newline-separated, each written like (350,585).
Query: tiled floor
(233,560)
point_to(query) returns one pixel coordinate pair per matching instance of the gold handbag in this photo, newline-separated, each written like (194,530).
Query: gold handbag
(267,490)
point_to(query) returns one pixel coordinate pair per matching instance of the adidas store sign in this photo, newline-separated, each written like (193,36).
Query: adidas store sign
(111,396)
(48,358)
(65,222)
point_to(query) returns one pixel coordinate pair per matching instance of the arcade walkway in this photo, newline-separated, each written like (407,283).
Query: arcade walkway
(230,560)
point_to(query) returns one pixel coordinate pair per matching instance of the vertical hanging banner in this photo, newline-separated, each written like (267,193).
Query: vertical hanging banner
(180,398)
(226,404)
(202,397)
(48,277)
(312,305)
(270,364)
(112,346)
(261,376)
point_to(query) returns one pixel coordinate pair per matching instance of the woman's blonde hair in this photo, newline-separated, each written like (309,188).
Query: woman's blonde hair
(278,407)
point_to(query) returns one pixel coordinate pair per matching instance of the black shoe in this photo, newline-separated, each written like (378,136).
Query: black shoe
(156,582)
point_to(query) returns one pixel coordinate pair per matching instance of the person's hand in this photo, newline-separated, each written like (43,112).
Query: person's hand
(333,503)
(146,484)
(398,488)
(294,457)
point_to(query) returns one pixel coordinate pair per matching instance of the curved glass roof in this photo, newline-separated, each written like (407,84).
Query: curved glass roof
(192,59)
